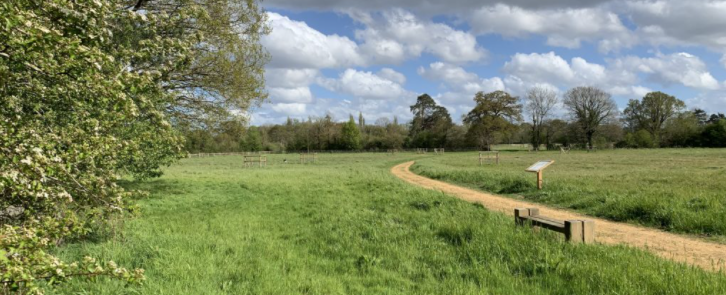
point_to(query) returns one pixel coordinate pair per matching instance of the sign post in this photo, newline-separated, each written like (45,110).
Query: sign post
(538,168)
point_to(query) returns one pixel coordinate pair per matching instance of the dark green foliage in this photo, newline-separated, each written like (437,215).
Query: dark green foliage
(714,134)
(430,124)
(651,113)
(350,136)
(492,117)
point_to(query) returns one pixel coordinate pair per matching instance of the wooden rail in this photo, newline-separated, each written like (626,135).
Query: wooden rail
(488,156)
(250,161)
(308,158)
(575,231)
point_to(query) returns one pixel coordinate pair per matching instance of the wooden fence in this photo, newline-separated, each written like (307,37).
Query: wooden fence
(249,161)
(308,158)
(492,156)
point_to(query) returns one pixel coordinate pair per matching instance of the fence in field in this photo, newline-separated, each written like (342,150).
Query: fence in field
(202,155)
(575,231)
(249,161)
(308,158)
(491,156)
(439,151)
(496,147)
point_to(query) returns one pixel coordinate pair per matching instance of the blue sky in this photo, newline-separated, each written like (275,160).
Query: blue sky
(376,57)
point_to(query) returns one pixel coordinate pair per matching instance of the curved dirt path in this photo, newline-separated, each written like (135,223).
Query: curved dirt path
(707,255)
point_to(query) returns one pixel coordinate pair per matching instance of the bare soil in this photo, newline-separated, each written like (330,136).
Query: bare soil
(693,251)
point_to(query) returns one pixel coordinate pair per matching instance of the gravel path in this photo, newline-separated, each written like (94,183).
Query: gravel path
(707,255)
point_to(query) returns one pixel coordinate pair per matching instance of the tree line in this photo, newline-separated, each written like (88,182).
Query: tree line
(591,119)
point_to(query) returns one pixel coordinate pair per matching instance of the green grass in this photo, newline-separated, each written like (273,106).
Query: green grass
(680,190)
(346,226)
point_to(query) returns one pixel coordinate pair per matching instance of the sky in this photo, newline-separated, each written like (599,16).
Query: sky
(376,56)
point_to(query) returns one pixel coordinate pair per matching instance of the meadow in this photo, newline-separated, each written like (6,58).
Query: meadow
(345,225)
(679,190)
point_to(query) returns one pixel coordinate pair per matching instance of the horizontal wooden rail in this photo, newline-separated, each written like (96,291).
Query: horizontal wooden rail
(575,231)
(249,161)
(308,158)
(488,156)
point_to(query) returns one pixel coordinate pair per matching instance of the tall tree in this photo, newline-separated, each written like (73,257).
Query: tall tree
(701,115)
(715,118)
(589,107)
(222,74)
(361,121)
(714,134)
(539,103)
(254,139)
(652,112)
(84,98)
(350,135)
(682,130)
(491,117)
(430,123)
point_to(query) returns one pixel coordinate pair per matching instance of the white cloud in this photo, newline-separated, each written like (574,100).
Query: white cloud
(563,27)
(552,69)
(424,6)
(450,74)
(392,75)
(290,109)
(366,85)
(397,34)
(289,78)
(678,23)
(677,68)
(564,23)
(294,44)
(709,102)
(290,95)
(619,77)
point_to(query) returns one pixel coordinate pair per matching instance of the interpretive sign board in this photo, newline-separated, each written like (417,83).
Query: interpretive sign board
(536,167)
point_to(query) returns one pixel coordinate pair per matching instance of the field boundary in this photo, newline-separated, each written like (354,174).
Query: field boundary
(692,251)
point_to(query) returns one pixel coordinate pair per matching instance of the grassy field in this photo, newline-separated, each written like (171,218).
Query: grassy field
(681,190)
(346,226)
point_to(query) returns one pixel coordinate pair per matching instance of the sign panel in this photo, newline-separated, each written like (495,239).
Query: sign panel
(537,167)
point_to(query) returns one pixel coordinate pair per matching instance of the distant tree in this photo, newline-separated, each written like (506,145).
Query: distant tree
(253,141)
(652,112)
(715,118)
(589,107)
(539,103)
(491,117)
(555,131)
(682,130)
(383,122)
(361,122)
(395,134)
(714,134)
(350,135)
(430,123)
(701,115)
(644,139)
